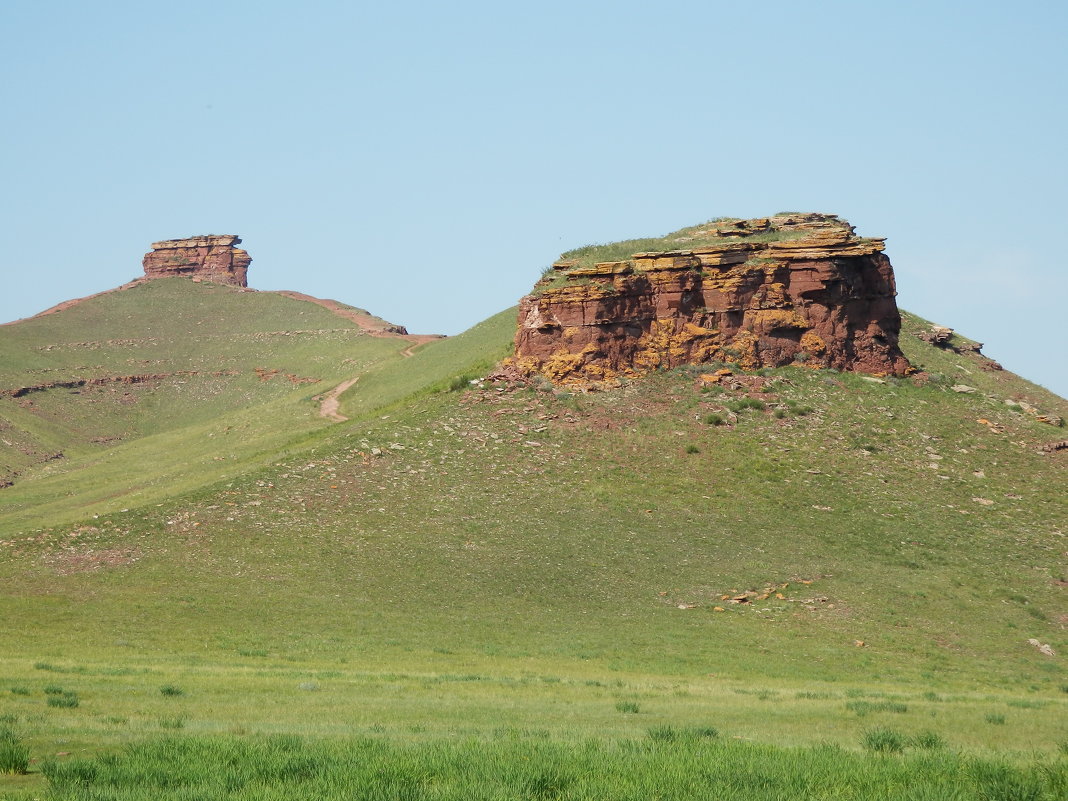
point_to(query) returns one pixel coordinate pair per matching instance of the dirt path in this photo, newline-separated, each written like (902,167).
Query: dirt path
(366,321)
(331,401)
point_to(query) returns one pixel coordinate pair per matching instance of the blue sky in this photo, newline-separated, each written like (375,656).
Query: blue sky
(426,161)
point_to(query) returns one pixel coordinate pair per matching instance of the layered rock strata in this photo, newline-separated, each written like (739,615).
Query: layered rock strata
(792,288)
(204,258)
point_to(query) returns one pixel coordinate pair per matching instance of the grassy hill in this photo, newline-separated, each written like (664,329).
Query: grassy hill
(792,557)
(133,396)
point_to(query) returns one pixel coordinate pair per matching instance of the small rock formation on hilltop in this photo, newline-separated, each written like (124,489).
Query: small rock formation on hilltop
(205,258)
(791,288)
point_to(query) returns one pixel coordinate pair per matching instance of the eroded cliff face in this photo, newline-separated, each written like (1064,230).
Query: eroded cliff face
(792,288)
(204,258)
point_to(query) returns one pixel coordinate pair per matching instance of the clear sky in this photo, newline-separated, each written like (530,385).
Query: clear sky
(426,161)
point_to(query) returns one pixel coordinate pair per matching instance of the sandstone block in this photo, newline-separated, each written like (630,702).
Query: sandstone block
(759,293)
(203,258)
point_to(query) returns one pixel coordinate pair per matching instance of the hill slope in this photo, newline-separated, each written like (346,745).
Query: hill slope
(448,563)
(136,394)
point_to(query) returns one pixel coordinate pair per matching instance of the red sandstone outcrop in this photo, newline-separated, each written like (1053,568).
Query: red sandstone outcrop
(792,288)
(207,258)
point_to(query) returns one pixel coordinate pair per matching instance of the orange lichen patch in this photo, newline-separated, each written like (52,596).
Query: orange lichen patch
(598,372)
(562,363)
(570,332)
(745,345)
(691,332)
(666,346)
(772,296)
(772,319)
(813,344)
(655,345)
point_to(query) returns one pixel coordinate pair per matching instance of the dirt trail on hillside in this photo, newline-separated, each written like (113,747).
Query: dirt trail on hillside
(330,402)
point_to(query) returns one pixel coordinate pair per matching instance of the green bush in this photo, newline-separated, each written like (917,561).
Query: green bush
(715,419)
(171,690)
(630,707)
(885,741)
(671,734)
(746,403)
(66,700)
(928,740)
(692,449)
(462,382)
(862,708)
(14,755)
(799,409)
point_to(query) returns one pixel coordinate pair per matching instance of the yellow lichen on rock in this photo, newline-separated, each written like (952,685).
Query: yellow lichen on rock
(813,344)
(772,296)
(772,319)
(562,363)
(745,346)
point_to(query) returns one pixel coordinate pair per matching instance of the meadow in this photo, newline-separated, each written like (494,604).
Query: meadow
(809,585)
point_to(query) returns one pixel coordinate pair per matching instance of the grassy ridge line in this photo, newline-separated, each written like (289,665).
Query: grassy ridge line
(671,763)
(445,364)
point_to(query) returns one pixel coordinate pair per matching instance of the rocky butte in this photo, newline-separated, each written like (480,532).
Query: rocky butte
(791,288)
(205,258)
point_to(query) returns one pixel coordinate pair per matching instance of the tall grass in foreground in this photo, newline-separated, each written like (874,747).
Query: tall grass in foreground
(695,768)
(14,755)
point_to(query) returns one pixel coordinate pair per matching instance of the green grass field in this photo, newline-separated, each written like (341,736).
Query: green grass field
(487,589)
